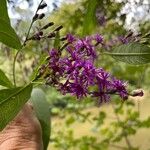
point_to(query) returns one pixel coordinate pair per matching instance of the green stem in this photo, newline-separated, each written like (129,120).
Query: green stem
(16,55)
(14,67)
(118,146)
(124,132)
(125,54)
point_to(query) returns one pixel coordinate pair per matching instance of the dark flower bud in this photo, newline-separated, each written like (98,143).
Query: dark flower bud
(36,37)
(147,35)
(48,81)
(51,35)
(41,16)
(64,46)
(58,28)
(47,25)
(139,35)
(51,81)
(42,69)
(48,58)
(35,17)
(41,72)
(42,6)
(129,34)
(64,38)
(125,97)
(40,33)
(137,93)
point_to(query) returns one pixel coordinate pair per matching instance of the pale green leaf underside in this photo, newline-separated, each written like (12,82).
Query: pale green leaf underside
(3,11)
(41,107)
(4,81)
(133,53)
(11,101)
(8,35)
(90,18)
(57,41)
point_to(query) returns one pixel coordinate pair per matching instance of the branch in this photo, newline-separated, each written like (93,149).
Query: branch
(15,58)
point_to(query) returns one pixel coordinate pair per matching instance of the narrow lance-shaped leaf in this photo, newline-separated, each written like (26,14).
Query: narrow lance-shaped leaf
(42,61)
(7,34)
(3,11)
(133,53)
(11,102)
(41,108)
(4,81)
(57,40)
(90,17)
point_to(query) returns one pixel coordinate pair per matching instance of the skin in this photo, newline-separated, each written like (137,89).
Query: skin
(23,133)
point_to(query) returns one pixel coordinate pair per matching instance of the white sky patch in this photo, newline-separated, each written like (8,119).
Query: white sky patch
(22,6)
(134,14)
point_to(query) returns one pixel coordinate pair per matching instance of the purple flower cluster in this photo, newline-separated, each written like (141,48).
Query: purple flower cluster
(129,38)
(74,72)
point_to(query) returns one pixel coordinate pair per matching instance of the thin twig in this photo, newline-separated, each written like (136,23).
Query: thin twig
(118,146)
(124,133)
(15,58)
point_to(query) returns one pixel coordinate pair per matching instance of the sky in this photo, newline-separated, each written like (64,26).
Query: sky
(134,14)
(23,5)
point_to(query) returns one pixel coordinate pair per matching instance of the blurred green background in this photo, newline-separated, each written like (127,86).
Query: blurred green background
(81,125)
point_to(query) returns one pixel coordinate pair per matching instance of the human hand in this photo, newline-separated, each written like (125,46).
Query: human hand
(24,132)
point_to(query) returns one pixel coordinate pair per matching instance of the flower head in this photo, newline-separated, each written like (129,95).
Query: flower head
(76,74)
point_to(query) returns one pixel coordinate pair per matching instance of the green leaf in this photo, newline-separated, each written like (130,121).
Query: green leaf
(7,34)
(90,18)
(4,81)
(133,53)
(57,41)
(3,11)
(42,61)
(11,102)
(41,107)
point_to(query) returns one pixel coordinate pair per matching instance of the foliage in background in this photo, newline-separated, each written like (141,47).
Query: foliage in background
(81,18)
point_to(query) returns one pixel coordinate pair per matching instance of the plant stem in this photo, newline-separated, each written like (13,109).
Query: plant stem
(16,55)
(124,132)
(118,146)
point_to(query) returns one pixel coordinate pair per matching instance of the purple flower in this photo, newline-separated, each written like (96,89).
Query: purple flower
(54,64)
(120,88)
(70,38)
(54,54)
(78,89)
(98,38)
(85,47)
(102,20)
(123,40)
(102,96)
(74,71)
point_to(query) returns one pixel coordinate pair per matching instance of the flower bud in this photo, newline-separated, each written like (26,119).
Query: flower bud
(35,17)
(58,28)
(47,25)
(147,35)
(36,37)
(137,93)
(129,34)
(51,35)
(40,33)
(64,46)
(41,16)
(42,6)
(63,38)
(42,70)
